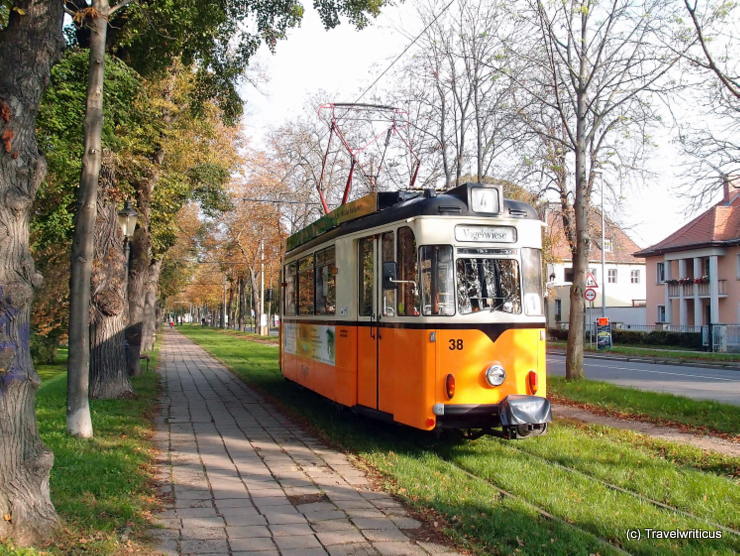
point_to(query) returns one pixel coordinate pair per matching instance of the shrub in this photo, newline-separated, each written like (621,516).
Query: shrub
(44,349)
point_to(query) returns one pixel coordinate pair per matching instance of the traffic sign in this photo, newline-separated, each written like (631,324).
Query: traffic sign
(589,294)
(591,280)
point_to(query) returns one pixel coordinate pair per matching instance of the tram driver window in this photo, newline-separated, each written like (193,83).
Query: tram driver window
(532,274)
(408,290)
(367,276)
(326,281)
(488,284)
(387,255)
(305,286)
(437,286)
(291,281)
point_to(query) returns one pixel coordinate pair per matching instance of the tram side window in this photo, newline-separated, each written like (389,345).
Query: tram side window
(291,281)
(437,285)
(305,286)
(532,278)
(389,296)
(326,281)
(367,276)
(408,291)
(488,284)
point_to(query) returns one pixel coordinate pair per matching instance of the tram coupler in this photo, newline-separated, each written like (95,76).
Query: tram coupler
(522,416)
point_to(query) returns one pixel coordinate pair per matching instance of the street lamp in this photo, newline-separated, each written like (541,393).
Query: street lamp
(127,221)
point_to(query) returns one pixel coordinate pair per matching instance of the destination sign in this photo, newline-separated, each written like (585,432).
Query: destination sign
(360,207)
(490,234)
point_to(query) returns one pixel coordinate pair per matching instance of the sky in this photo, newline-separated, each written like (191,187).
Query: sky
(344,61)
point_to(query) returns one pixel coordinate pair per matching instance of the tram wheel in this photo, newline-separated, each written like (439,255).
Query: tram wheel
(525,431)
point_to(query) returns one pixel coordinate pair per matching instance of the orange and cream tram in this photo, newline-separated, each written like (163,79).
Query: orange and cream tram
(423,309)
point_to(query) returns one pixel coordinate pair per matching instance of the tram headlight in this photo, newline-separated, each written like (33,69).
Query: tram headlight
(495,375)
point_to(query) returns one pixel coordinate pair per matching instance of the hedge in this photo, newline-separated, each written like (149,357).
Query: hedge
(655,338)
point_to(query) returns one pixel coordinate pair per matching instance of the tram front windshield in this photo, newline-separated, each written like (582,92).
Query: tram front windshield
(488,284)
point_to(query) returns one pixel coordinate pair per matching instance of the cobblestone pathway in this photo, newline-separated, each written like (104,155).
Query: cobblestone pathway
(244,480)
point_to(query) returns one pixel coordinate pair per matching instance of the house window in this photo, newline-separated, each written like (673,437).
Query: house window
(558,310)
(635,276)
(612,275)
(661,313)
(660,273)
(607,245)
(568,275)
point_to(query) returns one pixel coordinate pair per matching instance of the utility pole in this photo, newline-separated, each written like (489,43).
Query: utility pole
(599,174)
(264,330)
(603,254)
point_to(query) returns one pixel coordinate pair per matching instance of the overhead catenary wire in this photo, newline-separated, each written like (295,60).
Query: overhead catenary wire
(404,51)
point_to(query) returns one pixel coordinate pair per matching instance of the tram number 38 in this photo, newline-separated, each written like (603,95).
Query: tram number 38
(456,343)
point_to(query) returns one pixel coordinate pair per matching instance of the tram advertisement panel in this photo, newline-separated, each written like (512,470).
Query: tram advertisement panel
(314,341)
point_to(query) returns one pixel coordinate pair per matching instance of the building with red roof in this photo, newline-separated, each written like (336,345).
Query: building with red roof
(694,273)
(622,282)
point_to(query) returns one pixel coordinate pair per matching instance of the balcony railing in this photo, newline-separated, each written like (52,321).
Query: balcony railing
(687,290)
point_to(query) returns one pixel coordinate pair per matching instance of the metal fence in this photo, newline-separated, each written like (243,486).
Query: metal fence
(714,337)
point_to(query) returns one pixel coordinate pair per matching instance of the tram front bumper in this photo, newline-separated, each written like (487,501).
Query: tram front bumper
(514,410)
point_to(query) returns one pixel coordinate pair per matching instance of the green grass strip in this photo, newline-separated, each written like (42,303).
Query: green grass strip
(100,486)
(657,405)
(475,513)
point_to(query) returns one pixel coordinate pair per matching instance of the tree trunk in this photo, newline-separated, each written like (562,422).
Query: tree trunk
(150,317)
(137,274)
(574,351)
(109,311)
(79,422)
(29,46)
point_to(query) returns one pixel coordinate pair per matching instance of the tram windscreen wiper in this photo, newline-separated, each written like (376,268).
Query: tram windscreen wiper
(488,283)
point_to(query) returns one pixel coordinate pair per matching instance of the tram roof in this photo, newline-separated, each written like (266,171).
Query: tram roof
(385,207)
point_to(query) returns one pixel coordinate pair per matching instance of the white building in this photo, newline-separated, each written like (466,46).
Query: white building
(623,280)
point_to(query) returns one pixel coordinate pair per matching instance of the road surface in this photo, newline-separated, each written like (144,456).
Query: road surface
(699,383)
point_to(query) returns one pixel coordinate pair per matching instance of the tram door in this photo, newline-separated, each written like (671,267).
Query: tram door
(367,316)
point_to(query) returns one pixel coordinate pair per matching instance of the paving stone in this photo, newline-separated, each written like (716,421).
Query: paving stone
(196,512)
(297,542)
(247,531)
(245,519)
(253,544)
(347,536)
(315,507)
(288,529)
(280,518)
(204,533)
(189,522)
(333,525)
(326,516)
(405,522)
(204,547)
(240,503)
(397,548)
(164,534)
(372,523)
(357,549)
(376,535)
(304,552)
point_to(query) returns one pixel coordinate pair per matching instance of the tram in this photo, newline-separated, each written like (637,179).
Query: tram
(422,309)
